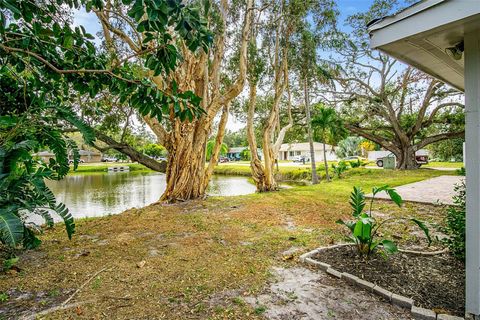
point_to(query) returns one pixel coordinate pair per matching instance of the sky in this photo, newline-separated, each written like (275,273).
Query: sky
(346,7)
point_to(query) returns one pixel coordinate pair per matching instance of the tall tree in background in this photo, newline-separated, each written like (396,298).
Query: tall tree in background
(329,127)
(276,34)
(283,41)
(309,68)
(398,107)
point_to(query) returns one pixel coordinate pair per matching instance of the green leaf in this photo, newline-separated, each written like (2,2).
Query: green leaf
(363,229)
(422,226)
(395,197)
(389,246)
(11,228)
(349,224)
(67,219)
(357,201)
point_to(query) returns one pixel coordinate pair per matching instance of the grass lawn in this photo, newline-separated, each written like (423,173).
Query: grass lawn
(438,164)
(103,167)
(287,170)
(201,258)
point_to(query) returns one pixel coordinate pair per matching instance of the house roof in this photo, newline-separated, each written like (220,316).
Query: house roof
(303,146)
(236,149)
(421,34)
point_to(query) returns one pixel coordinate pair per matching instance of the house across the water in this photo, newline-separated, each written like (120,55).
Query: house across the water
(288,151)
(85,156)
(235,153)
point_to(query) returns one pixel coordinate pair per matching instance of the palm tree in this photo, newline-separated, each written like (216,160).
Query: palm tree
(327,125)
(211,145)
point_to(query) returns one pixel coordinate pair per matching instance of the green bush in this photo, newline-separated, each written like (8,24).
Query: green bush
(355,164)
(365,228)
(339,169)
(455,223)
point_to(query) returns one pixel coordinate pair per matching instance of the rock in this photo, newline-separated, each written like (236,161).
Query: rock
(448,317)
(423,314)
(141,264)
(402,301)
(350,278)
(384,293)
(367,285)
(153,252)
(334,273)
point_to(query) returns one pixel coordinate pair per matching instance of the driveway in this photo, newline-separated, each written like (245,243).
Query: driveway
(438,190)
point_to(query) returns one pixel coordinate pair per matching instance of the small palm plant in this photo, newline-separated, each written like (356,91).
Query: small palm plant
(365,228)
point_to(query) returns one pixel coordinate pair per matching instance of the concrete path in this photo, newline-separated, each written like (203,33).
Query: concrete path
(438,190)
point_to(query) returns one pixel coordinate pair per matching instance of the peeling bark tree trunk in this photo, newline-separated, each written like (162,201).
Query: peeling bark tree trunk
(199,72)
(264,174)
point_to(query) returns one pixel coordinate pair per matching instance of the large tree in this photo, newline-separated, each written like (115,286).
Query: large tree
(310,68)
(199,72)
(45,65)
(281,34)
(398,107)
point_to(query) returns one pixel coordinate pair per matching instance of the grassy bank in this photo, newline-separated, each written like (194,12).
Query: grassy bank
(103,167)
(193,260)
(437,164)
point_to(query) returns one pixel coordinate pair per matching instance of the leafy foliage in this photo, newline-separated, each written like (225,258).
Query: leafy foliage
(364,229)
(455,223)
(211,145)
(47,65)
(339,169)
(39,38)
(349,146)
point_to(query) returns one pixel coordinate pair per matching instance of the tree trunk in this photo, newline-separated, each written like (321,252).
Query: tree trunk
(259,172)
(406,158)
(186,166)
(327,176)
(310,134)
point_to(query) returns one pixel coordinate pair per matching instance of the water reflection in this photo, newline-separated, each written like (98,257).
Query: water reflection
(101,194)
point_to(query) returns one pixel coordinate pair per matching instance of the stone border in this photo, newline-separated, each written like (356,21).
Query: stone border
(395,299)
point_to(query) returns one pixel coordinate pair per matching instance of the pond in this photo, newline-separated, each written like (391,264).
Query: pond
(100,194)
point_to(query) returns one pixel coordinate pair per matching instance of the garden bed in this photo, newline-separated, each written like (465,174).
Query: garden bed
(433,282)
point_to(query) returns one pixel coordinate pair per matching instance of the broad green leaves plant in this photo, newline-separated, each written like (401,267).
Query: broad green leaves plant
(364,228)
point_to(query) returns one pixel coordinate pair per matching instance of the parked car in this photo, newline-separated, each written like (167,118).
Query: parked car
(421,159)
(70,161)
(109,159)
(301,158)
(223,159)
(355,158)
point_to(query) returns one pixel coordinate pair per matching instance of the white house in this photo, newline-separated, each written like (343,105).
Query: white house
(442,38)
(289,150)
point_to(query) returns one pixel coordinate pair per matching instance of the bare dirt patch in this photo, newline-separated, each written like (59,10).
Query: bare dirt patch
(433,282)
(300,293)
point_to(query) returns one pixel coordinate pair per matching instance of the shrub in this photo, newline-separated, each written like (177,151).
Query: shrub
(339,169)
(355,164)
(365,228)
(455,223)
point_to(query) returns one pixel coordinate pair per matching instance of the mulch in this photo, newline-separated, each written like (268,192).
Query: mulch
(433,282)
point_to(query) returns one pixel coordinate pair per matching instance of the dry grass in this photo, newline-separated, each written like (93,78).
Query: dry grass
(200,257)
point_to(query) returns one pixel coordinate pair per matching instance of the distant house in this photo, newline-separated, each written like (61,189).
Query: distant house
(290,150)
(235,152)
(85,155)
